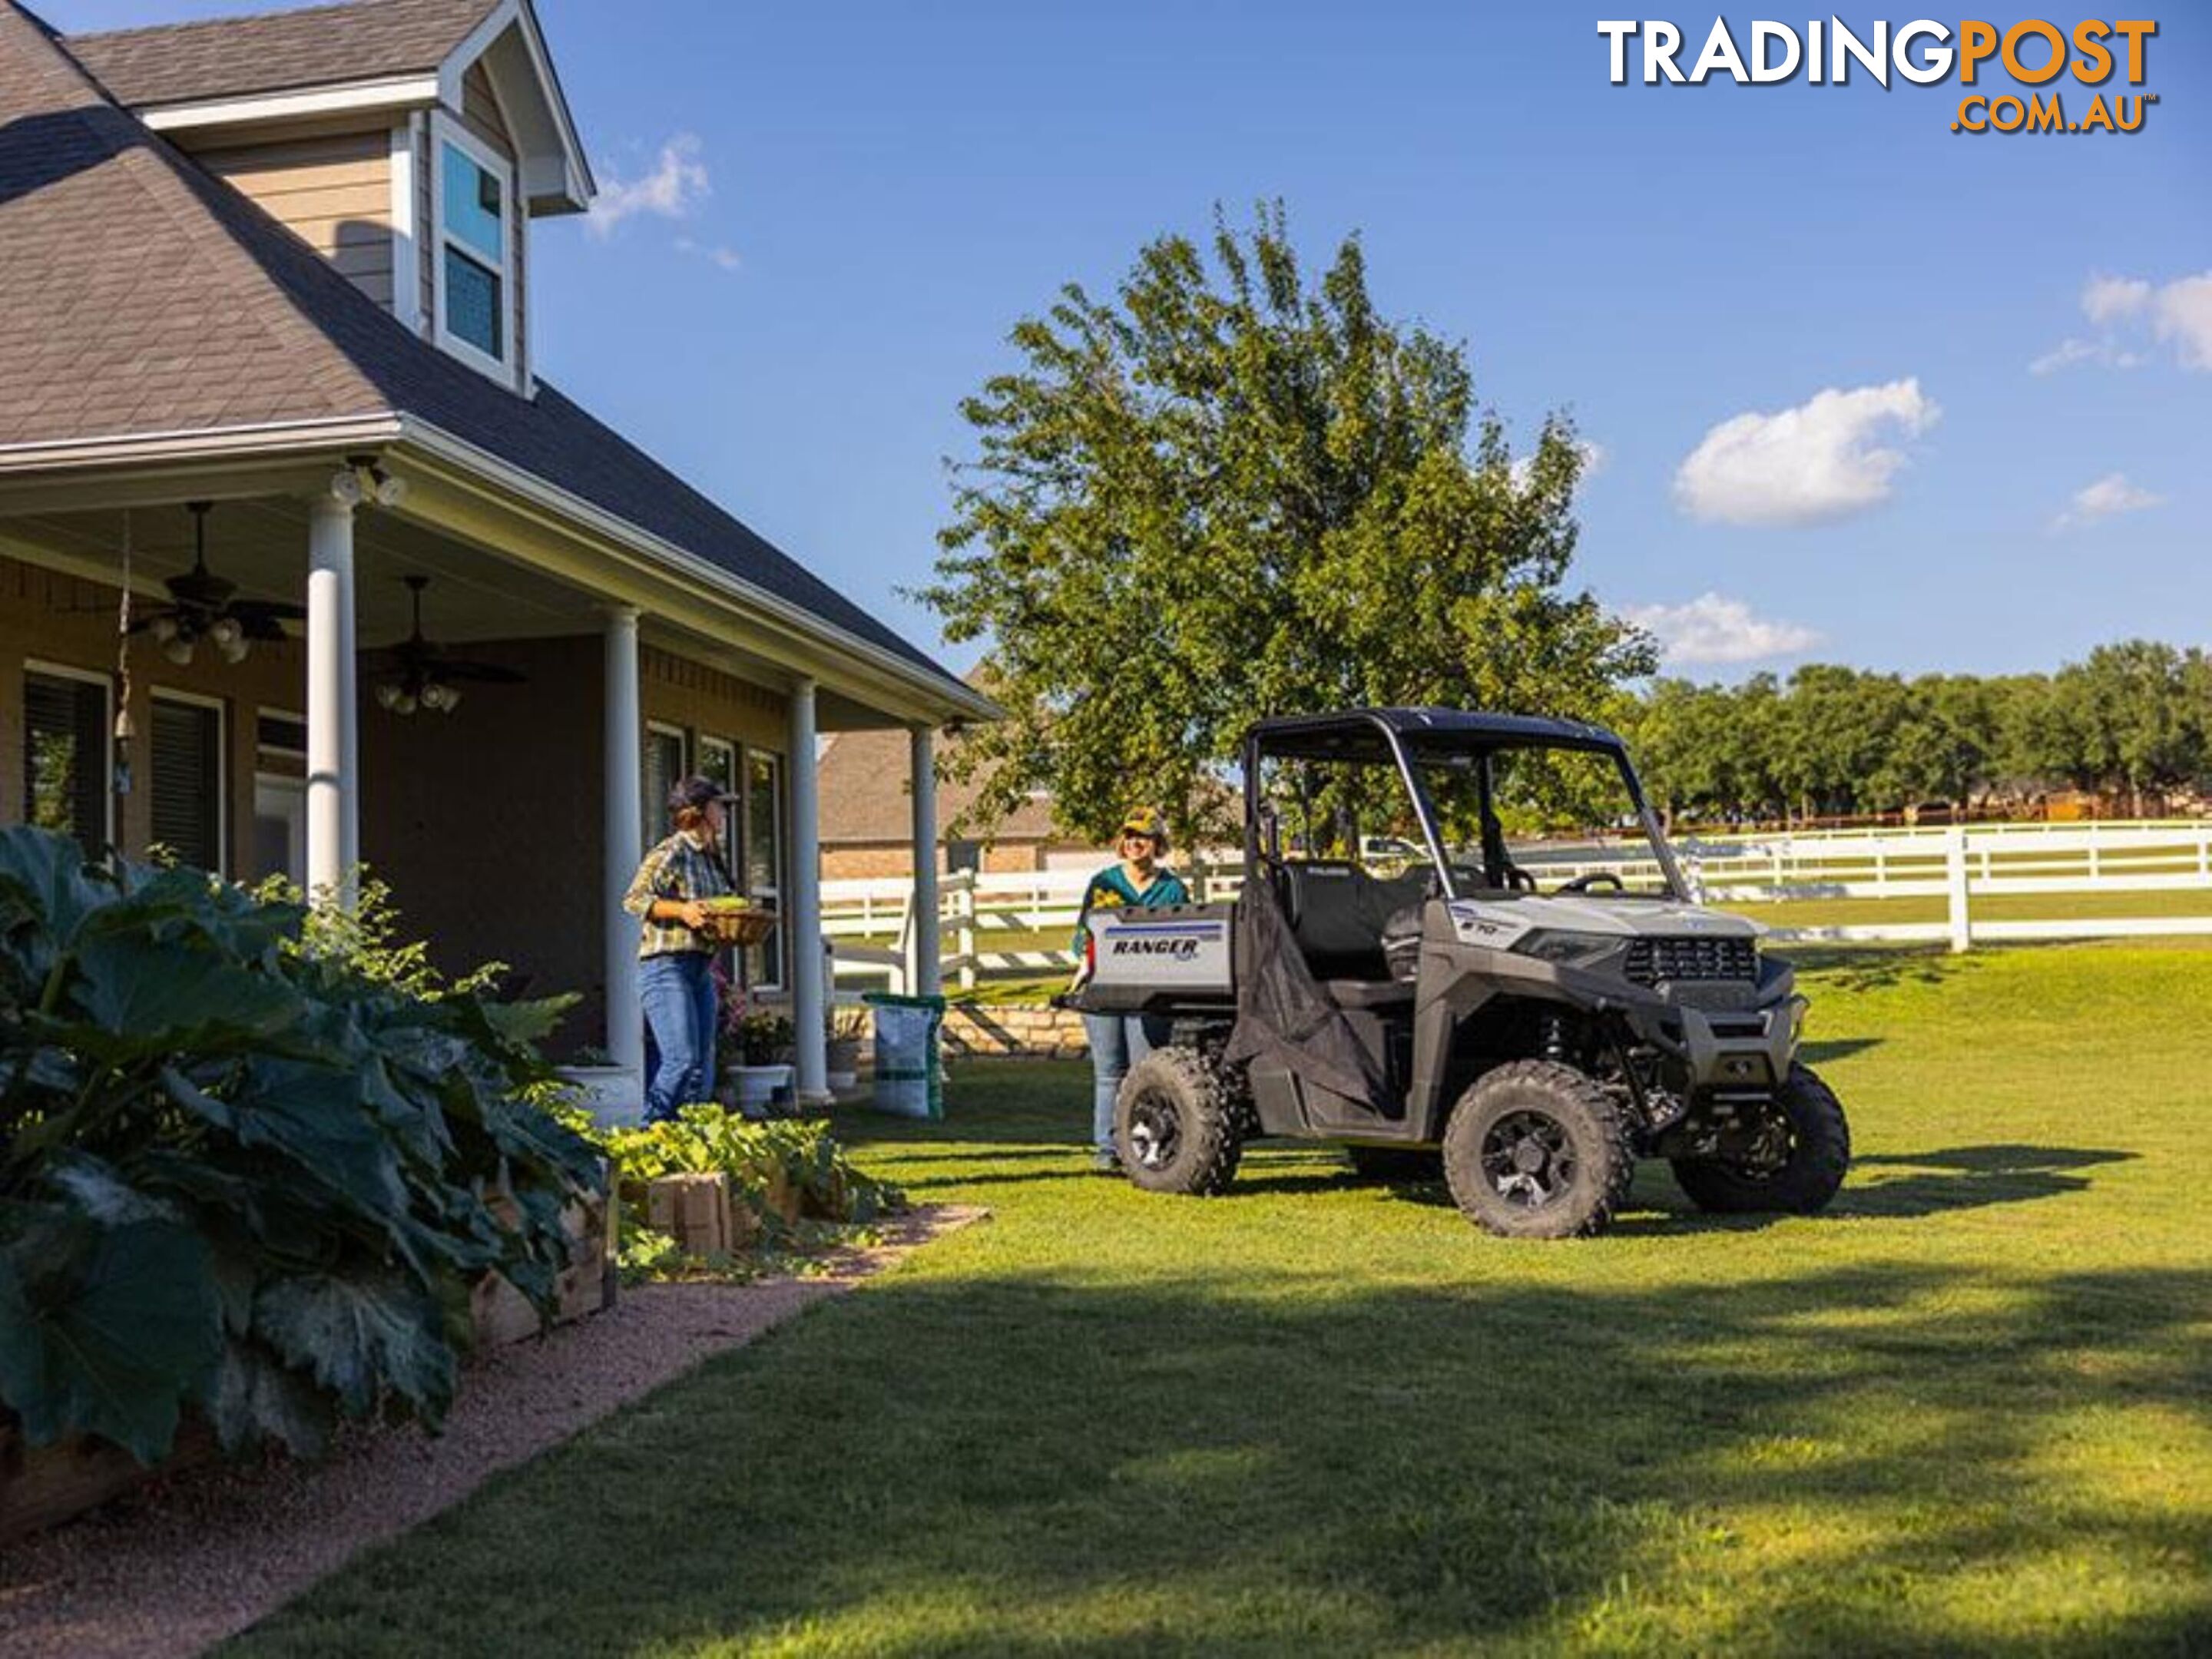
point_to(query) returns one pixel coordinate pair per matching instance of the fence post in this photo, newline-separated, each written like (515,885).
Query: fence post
(1962,925)
(1197,882)
(907,974)
(964,910)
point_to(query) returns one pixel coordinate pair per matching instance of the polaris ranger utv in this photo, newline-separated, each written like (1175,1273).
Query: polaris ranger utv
(1537,1034)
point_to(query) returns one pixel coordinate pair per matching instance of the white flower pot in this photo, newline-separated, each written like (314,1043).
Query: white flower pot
(613,1095)
(758,1085)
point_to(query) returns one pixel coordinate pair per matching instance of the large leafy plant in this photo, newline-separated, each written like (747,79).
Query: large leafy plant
(243,1174)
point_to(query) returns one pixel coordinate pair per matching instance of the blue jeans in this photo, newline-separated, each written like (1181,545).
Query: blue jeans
(1117,1043)
(677,989)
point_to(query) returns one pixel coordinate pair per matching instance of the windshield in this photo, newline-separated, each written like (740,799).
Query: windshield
(1506,819)
(1542,820)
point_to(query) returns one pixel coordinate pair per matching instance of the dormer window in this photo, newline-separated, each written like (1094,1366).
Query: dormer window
(474,252)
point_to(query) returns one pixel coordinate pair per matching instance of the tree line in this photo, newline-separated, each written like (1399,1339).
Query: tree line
(2133,721)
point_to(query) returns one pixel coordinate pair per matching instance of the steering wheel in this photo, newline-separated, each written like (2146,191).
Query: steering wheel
(1519,879)
(1583,883)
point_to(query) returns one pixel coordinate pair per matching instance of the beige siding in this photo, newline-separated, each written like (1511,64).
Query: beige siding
(480,111)
(335,193)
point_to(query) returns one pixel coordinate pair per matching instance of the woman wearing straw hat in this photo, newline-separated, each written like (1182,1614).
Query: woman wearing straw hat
(1119,1041)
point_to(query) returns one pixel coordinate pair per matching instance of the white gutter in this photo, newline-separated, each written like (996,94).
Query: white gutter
(260,438)
(528,485)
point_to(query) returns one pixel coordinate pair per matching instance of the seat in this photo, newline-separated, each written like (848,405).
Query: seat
(1338,913)
(1371,993)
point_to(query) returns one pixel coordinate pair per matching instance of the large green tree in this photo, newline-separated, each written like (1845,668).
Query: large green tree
(1232,491)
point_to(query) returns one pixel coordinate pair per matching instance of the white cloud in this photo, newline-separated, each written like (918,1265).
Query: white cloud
(1818,461)
(1713,629)
(2184,316)
(2108,299)
(2070,351)
(2109,497)
(1595,458)
(725,258)
(2179,313)
(673,189)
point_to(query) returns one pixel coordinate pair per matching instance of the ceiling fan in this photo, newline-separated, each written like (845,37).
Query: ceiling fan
(205,606)
(420,674)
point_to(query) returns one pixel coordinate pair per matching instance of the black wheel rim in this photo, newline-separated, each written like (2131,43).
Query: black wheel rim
(1528,1159)
(1155,1132)
(1771,1150)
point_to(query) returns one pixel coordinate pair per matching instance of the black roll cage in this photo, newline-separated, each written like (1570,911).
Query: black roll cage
(1396,737)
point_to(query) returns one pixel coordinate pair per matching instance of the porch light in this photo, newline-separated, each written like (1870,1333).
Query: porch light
(230,638)
(440,699)
(178,649)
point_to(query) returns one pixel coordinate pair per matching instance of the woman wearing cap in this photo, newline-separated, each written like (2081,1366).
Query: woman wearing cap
(1119,1041)
(675,955)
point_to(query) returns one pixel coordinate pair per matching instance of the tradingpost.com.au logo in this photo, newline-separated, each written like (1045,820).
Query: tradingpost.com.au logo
(2035,53)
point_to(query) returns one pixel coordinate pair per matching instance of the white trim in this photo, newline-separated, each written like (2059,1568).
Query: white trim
(406,246)
(221,708)
(778,884)
(349,98)
(256,438)
(262,711)
(105,681)
(446,129)
(576,165)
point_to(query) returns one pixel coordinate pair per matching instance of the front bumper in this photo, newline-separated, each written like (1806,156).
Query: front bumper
(1723,1052)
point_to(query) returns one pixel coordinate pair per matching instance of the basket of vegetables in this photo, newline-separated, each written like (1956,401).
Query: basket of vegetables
(733,919)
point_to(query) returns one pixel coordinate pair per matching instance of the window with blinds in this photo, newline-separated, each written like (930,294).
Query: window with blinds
(187,764)
(663,770)
(65,764)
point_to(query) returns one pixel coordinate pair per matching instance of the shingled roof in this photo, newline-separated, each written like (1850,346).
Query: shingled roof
(237,57)
(141,294)
(867,797)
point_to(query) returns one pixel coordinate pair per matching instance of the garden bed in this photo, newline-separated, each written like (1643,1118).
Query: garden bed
(186,1562)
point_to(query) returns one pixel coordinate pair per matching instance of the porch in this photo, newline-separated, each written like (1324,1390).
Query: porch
(503,783)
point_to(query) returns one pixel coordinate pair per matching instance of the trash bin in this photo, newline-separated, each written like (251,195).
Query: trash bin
(908,1083)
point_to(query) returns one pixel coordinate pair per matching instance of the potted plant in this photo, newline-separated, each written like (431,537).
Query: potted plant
(614,1094)
(749,1075)
(847,1029)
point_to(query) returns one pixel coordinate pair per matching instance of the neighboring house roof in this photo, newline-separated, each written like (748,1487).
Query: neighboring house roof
(233,57)
(865,796)
(142,296)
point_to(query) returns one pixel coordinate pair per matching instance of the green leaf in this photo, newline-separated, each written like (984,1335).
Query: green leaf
(46,878)
(358,1336)
(144,999)
(114,1344)
(253,1397)
(314,1115)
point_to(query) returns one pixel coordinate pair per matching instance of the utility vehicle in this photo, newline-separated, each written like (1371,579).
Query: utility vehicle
(1531,1009)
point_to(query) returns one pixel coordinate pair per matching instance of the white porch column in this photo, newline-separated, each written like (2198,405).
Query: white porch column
(333,739)
(924,972)
(624,832)
(803,904)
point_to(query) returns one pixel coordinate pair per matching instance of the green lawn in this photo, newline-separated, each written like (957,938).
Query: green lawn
(1969,1410)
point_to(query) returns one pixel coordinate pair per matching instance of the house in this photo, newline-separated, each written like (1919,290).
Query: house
(264,309)
(868,808)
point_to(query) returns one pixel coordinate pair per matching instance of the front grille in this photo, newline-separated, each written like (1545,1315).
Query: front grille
(1659,961)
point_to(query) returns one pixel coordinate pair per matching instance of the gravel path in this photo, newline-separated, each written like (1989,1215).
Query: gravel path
(178,1566)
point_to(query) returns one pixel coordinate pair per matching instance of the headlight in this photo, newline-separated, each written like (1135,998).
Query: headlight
(1568,950)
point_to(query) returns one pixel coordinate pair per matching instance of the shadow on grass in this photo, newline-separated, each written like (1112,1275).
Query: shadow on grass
(1838,1461)
(1834,1049)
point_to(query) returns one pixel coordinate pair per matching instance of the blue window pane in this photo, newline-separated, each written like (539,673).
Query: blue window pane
(472,305)
(473,210)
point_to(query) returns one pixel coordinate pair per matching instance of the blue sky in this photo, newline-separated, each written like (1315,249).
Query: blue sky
(869,195)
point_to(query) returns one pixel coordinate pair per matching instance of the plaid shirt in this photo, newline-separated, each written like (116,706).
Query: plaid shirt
(680,868)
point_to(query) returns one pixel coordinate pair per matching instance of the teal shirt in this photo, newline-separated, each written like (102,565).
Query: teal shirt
(1110,889)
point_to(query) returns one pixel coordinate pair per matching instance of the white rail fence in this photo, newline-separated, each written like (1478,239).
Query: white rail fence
(1023,923)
